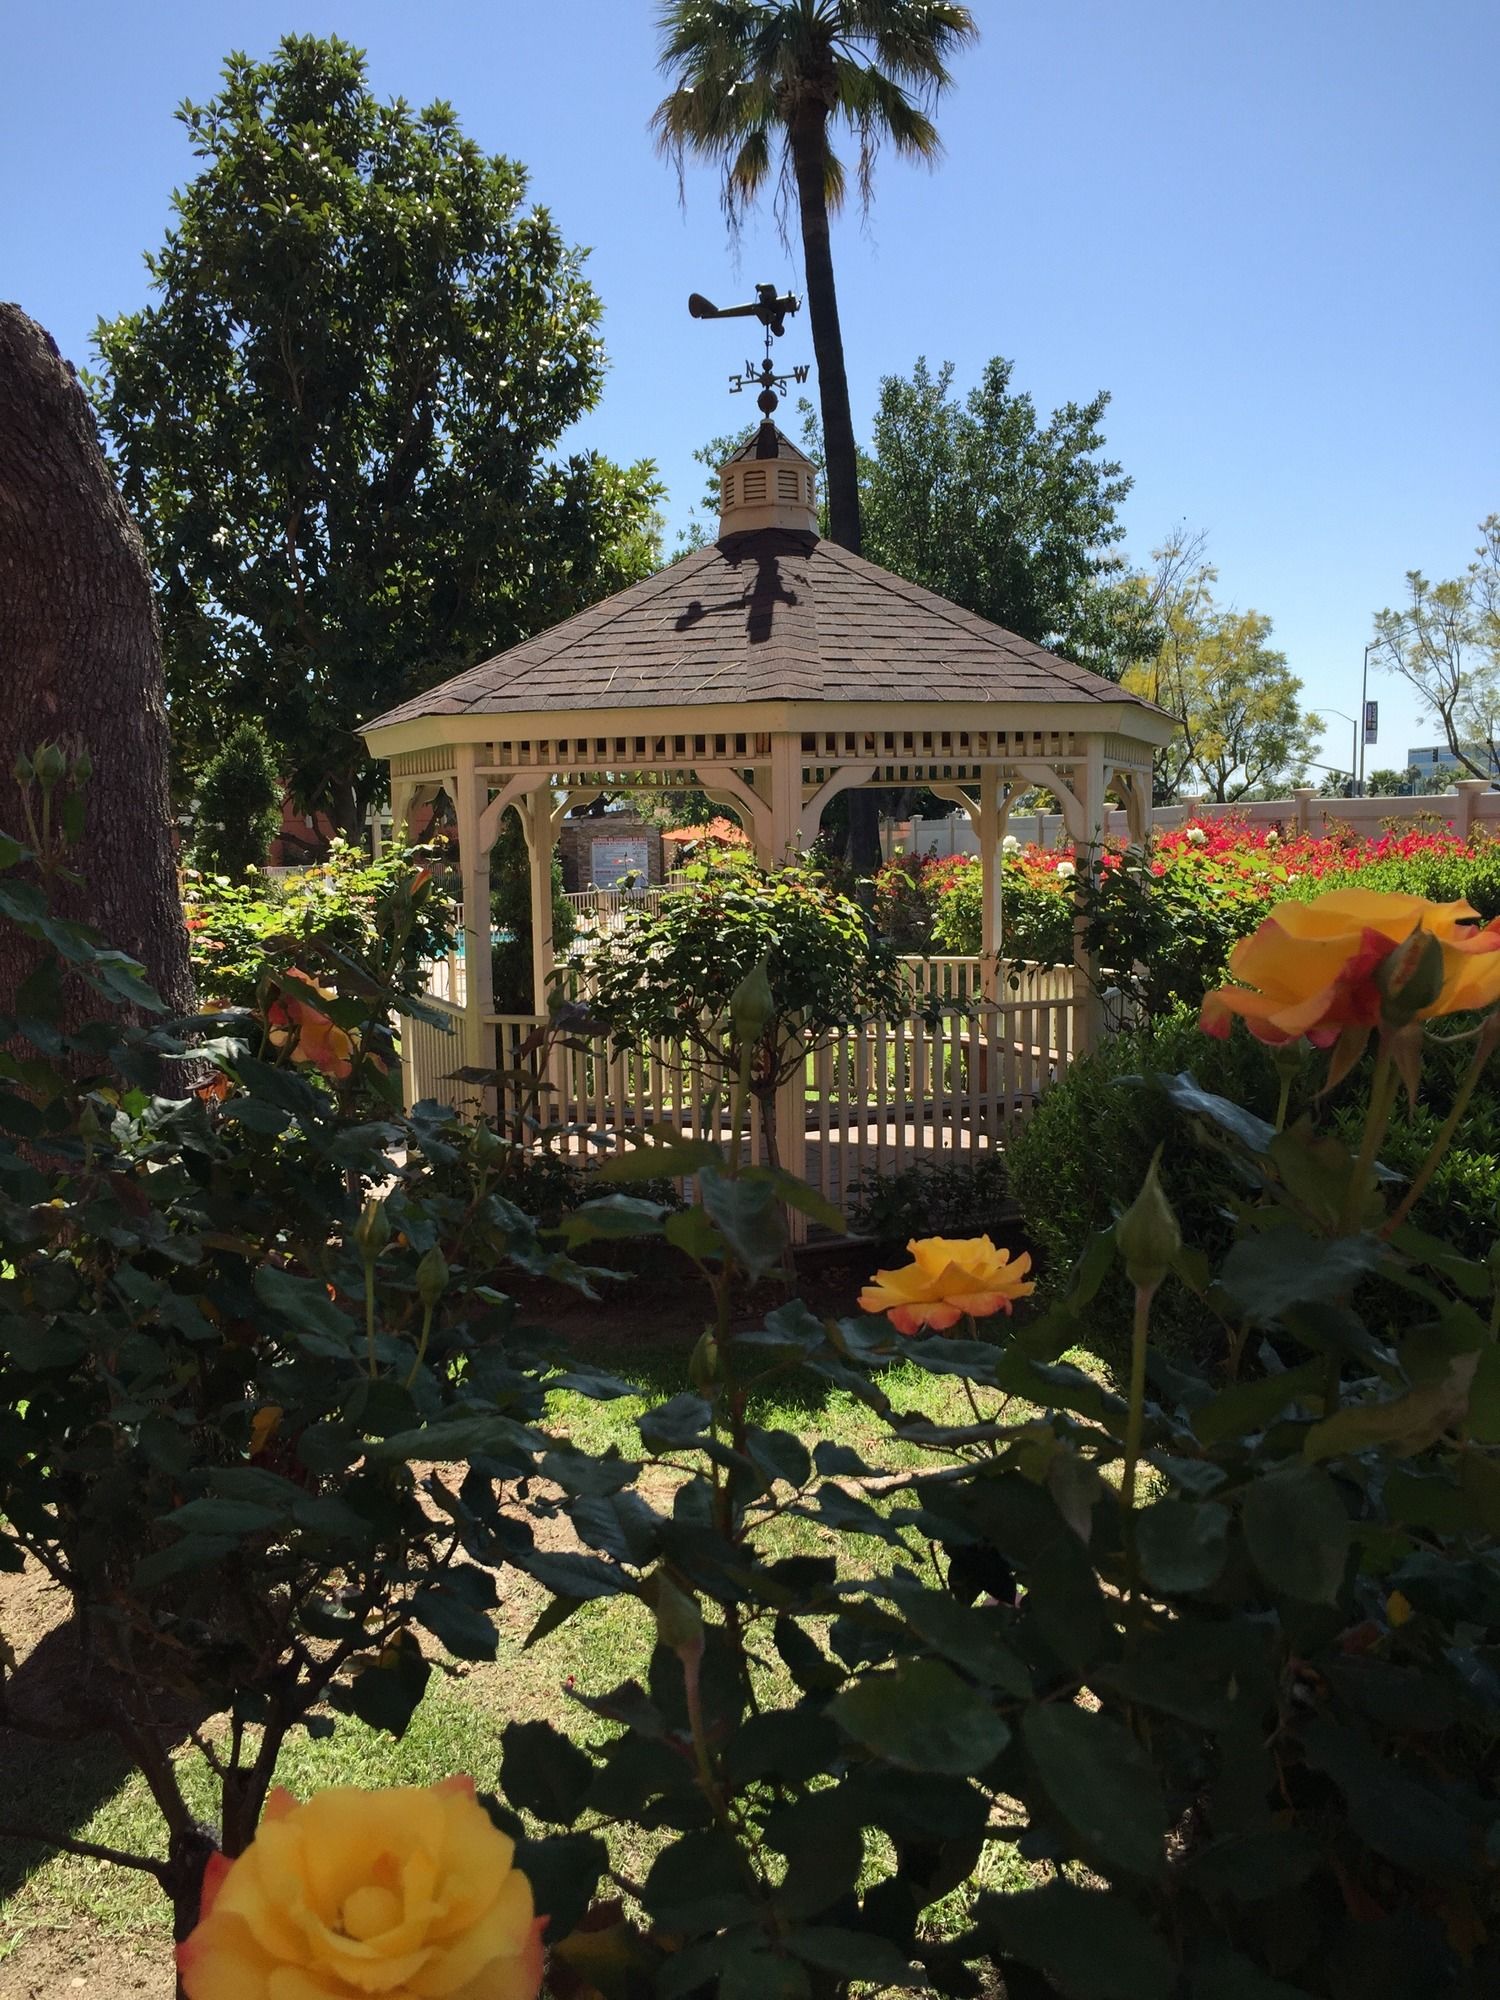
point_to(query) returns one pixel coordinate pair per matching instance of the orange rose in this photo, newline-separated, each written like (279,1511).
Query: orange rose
(1311,968)
(407,1893)
(948,1279)
(318,1041)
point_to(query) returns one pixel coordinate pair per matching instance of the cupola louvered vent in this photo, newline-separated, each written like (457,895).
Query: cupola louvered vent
(767,484)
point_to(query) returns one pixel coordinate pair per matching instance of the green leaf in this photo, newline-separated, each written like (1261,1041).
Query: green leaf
(223,1517)
(306,1306)
(1401,1819)
(823,1840)
(1250,1406)
(1100,1783)
(970,1637)
(676,1424)
(1183,1546)
(613,1215)
(851,1954)
(1093,1945)
(564,1871)
(1253,1133)
(698,1883)
(1484,1398)
(1298,1533)
(544,1772)
(181,1559)
(385,1692)
(460,1626)
(748,1217)
(1268,1273)
(919,1714)
(1249,1867)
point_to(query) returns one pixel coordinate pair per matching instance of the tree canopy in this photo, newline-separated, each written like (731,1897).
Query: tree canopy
(335,419)
(1444,642)
(1013,517)
(1244,730)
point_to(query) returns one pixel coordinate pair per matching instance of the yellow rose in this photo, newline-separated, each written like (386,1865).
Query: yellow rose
(948,1279)
(407,1893)
(1311,968)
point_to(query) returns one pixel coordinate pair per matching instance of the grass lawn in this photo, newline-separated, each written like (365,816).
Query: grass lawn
(457,1727)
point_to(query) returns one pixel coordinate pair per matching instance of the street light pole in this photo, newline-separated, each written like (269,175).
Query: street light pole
(1355,746)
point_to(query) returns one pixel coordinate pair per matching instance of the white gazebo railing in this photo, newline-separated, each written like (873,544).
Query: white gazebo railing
(876,1094)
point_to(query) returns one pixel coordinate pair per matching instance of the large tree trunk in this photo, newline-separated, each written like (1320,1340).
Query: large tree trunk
(80,666)
(809,136)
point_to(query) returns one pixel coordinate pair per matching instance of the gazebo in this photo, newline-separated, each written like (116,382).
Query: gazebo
(774,670)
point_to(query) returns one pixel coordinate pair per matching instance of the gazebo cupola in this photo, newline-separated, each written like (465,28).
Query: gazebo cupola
(773,669)
(767,483)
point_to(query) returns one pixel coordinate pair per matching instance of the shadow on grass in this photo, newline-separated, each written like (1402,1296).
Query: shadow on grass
(54,1785)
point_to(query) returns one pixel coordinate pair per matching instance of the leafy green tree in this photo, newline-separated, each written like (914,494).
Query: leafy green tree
(334,421)
(1243,728)
(1012,517)
(239,805)
(672,973)
(1388,782)
(1444,642)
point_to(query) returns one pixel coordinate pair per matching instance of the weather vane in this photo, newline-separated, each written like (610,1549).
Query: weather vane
(771,310)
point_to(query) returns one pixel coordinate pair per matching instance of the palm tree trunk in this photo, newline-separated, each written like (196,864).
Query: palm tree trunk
(841,463)
(809,137)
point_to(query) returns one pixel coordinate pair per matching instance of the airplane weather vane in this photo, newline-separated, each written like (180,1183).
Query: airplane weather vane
(771,310)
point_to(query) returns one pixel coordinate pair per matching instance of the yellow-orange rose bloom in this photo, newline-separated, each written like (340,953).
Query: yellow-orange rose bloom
(319,1041)
(1310,969)
(407,1893)
(947,1279)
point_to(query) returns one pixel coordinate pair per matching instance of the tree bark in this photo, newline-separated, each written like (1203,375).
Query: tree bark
(82,668)
(809,137)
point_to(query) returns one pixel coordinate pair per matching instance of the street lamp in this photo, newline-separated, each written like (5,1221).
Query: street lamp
(1356,748)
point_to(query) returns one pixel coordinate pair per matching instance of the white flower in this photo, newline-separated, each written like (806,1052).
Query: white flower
(1273,838)
(1197,837)
(1066,871)
(1010,845)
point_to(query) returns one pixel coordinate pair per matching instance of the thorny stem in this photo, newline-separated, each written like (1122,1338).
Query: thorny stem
(1134,1425)
(370,1317)
(427,1313)
(1283,1099)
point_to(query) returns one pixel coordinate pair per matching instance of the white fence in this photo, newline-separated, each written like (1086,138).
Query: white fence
(1472,805)
(877,1094)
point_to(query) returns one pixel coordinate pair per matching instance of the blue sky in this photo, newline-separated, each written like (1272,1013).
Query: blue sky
(1268,230)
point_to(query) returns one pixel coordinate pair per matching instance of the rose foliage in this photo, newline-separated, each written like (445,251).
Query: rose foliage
(1201,1679)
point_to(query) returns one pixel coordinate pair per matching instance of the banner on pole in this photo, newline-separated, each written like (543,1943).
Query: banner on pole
(1372,720)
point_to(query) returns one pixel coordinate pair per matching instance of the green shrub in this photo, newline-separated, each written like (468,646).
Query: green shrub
(962,1197)
(238,806)
(329,922)
(1083,1153)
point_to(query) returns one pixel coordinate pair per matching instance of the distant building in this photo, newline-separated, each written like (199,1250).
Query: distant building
(1438,757)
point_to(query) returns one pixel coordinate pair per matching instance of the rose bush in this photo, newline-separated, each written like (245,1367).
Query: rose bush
(1185,1691)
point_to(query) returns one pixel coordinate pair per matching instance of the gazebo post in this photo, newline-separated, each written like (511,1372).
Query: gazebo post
(785,831)
(472,794)
(989,825)
(541,833)
(1085,811)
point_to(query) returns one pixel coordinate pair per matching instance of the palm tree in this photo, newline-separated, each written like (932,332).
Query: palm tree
(747,73)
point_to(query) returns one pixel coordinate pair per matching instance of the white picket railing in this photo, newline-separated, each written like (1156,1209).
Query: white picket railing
(430,1054)
(958,978)
(879,1094)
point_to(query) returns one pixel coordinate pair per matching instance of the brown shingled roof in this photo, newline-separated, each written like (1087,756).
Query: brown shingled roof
(769,616)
